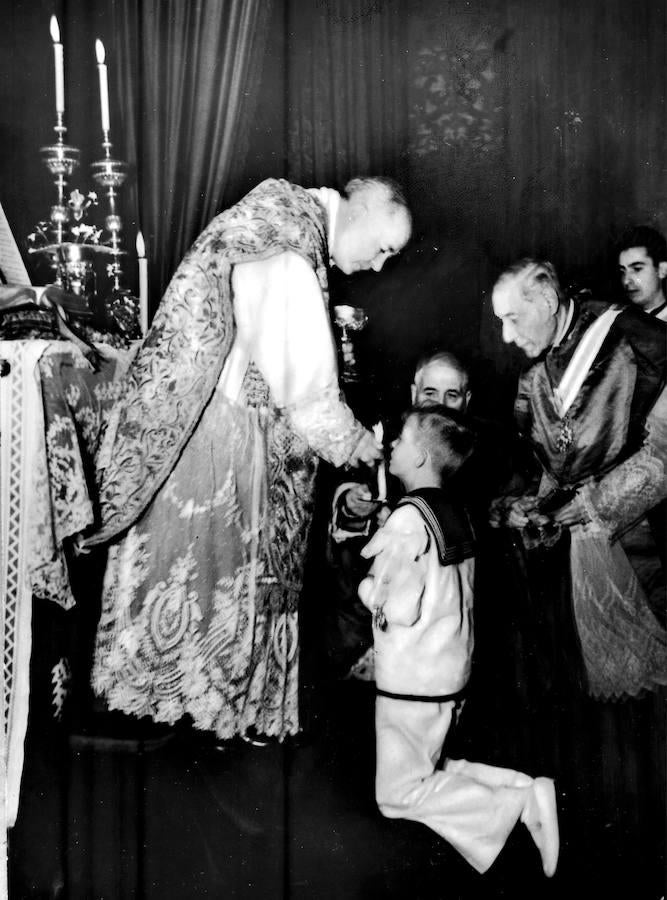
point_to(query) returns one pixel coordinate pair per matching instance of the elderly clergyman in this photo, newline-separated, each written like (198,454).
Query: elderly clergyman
(594,405)
(208,468)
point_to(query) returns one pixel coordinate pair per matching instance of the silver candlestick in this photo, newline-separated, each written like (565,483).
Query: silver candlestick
(67,259)
(111,174)
(120,303)
(70,245)
(61,160)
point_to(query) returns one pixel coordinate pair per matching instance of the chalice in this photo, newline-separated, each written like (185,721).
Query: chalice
(349,319)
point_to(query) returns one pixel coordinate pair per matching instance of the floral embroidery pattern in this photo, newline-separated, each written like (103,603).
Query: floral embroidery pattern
(180,361)
(456,91)
(206,625)
(200,602)
(75,401)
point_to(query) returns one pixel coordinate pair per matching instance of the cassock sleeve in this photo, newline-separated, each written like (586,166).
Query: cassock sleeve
(283,324)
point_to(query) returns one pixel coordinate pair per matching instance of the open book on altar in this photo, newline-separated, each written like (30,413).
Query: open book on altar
(27,311)
(12,267)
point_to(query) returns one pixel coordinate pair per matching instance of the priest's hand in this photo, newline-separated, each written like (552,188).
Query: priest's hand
(367,451)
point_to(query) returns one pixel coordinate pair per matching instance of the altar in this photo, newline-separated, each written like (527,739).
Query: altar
(53,402)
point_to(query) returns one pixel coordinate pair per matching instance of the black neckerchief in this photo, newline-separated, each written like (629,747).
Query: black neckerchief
(447,521)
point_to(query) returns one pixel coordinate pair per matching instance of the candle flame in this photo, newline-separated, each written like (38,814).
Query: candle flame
(99,52)
(141,248)
(55,30)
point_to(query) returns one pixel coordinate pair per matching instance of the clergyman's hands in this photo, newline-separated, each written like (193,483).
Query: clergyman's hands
(358,502)
(521,512)
(367,451)
(516,512)
(573,513)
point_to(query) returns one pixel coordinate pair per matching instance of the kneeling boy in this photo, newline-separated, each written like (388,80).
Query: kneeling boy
(420,593)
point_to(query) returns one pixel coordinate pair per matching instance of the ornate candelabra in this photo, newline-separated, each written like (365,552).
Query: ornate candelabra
(61,160)
(71,245)
(65,246)
(111,173)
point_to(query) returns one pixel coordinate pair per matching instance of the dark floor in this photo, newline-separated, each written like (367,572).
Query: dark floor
(122,813)
(186,819)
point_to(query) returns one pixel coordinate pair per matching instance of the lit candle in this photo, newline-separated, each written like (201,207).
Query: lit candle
(104,85)
(143,283)
(378,431)
(60,66)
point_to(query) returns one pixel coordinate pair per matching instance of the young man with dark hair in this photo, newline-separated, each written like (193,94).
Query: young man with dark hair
(642,263)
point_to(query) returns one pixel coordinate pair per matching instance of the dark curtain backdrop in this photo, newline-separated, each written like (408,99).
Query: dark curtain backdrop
(188,75)
(586,125)
(541,125)
(346,90)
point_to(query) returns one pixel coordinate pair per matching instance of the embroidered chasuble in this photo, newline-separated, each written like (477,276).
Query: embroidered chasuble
(207,475)
(611,447)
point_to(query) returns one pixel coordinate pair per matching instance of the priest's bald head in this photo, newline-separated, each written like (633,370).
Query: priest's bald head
(372,225)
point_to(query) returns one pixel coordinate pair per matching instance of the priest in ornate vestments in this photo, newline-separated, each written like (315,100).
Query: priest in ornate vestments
(594,406)
(207,469)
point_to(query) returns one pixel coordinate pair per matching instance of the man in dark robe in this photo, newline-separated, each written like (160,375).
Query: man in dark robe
(594,406)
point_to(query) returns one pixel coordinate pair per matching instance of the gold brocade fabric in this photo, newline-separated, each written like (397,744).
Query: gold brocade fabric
(200,599)
(617,462)
(178,366)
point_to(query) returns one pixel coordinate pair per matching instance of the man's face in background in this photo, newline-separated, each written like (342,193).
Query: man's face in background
(642,278)
(438,382)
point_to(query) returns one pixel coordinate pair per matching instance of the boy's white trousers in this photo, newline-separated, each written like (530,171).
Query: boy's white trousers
(474,807)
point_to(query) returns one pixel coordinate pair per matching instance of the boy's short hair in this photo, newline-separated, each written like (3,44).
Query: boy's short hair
(444,434)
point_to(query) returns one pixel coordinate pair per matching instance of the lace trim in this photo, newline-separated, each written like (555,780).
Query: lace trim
(327,424)
(623,646)
(627,492)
